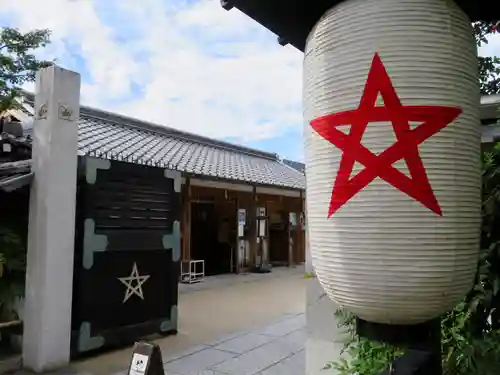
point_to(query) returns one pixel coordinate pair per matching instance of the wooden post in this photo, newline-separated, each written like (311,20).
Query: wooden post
(301,249)
(237,248)
(253,227)
(290,242)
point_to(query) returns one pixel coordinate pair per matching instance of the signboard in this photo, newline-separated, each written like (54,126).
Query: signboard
(241,222)
(261,222)
(146,360)
(138,364)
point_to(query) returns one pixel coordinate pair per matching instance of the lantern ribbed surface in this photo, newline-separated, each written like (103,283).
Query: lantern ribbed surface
(384,255)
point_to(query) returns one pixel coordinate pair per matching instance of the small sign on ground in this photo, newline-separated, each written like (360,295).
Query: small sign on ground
(146,360)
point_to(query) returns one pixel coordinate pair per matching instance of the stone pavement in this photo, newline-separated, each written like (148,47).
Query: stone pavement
(215,309)
(225,280)
(274,349)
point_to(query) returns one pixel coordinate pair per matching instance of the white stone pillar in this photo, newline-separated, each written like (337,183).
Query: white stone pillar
(49,276)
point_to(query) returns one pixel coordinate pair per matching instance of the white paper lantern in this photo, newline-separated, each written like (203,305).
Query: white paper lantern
(401,244)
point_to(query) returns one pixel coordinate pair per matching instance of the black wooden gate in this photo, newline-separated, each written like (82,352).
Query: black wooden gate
(126,253)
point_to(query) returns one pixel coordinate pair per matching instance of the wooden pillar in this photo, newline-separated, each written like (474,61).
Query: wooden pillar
(252,214)
(186,221)
(300,238)
(291,240)
(237,248)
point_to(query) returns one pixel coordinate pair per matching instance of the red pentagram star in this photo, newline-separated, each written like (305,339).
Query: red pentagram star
(432,118)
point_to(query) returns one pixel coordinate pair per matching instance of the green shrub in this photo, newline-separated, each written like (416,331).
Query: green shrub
(12,272)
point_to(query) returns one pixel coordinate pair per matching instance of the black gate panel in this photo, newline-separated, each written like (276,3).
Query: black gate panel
(127,253)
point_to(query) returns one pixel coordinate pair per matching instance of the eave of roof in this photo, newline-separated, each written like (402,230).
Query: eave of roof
(490,107)
(301,167)
(292,20)
(15,174)
(16,181)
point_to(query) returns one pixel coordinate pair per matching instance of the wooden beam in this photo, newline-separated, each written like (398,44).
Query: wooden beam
(12,323)
(221,185)
(293,20)
(278,191)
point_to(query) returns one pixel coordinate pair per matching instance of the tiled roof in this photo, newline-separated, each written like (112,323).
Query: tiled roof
(116,137)
(301,167)
(14,175)
(15,181)
(490,109)
(15,154)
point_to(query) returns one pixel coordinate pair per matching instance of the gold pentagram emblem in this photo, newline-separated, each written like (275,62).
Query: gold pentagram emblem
(133,283)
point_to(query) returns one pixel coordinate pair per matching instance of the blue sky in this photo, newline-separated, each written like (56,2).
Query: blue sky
(187,64)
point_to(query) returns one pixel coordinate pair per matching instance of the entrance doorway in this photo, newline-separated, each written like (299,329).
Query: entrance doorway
(213,231)
(278,239)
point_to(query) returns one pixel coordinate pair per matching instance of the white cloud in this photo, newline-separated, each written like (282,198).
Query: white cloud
(76,21)
(253,94)
(166,49)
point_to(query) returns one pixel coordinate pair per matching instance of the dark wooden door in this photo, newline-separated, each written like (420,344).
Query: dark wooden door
(127,251)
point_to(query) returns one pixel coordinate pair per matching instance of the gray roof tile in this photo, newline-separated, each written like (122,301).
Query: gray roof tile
(301,167)
(116,137)
(15,181)
(15,174)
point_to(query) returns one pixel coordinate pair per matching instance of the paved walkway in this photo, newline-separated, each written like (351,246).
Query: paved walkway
(273,349)
(230,280)
(218,308)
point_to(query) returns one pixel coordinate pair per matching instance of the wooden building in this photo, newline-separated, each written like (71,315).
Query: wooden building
(490,119)
(210,225)
(222,184)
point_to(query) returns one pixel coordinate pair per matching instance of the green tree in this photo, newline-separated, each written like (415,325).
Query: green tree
(18,64)
(489,67)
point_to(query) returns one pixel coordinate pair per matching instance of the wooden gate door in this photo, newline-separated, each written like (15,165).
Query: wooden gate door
(127,253)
